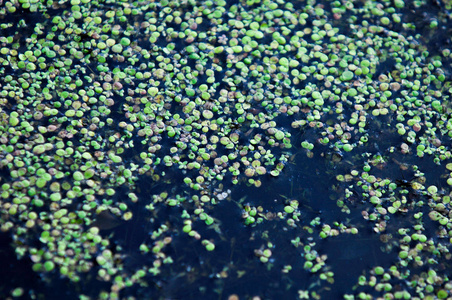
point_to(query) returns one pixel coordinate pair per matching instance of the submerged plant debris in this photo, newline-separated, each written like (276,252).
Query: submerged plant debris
(196,149)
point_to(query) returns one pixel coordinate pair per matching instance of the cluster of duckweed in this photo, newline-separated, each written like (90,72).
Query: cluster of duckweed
(401,210)
(98,96)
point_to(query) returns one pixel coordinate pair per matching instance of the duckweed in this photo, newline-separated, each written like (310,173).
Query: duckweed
(134,135)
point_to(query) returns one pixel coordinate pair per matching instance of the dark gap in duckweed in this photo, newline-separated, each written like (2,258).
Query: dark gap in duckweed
(241,258)
(386,66)
(179,287)
(351,254)
(18,272)
(14,271)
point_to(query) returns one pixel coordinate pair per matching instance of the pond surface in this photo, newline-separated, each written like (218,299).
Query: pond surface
(225,149)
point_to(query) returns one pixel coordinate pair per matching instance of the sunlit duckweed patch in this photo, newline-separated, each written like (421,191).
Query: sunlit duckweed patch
(195,148)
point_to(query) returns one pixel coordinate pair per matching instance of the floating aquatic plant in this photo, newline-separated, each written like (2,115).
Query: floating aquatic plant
(137,131)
